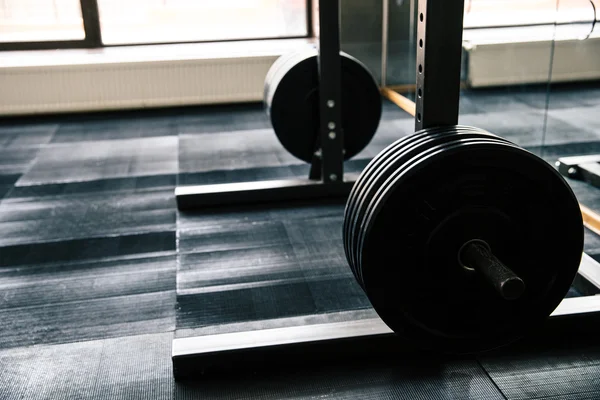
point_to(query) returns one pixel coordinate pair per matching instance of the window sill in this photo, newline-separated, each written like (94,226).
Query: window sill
(115,78)
(151,53)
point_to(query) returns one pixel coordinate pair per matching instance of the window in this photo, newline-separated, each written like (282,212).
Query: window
(155,21)
(61,23)
(39,21)
(491,13)
(504,21)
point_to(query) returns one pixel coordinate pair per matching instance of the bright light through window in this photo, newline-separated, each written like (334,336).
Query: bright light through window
(490,13)
(164,21)
(39,21)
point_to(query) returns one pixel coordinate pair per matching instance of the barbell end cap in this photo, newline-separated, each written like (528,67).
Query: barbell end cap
(512,288)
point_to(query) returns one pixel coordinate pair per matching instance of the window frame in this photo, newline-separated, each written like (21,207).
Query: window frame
(93,34)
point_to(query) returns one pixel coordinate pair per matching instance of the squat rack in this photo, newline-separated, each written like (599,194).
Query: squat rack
(326,178)
(440,29)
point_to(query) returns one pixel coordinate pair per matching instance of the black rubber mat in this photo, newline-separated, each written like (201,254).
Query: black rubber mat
(584,119)
(16,160)
(258,174)
(115,128)
(567,372)
(526,127)
(250,267)
(263,264)
(13,163)
(26,134)
(128,184)
(490,100)
(83,281)
(257,155)
(69,227)
(90,319)
(253,149)
(551,152)
(87,248)
(64,302)
(232,150)
(136,367)
(219,119)
(407,379)
(97,268)
(93,160)
(561,96)
(73,217)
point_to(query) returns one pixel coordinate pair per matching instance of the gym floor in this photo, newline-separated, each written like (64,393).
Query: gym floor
(99,272)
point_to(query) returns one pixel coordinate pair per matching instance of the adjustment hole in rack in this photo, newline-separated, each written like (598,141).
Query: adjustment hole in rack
(421,17)
(420,68)
(419,117)
(421,43)
(419,93)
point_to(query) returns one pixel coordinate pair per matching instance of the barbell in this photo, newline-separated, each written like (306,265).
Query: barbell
(453,234)
(461,240)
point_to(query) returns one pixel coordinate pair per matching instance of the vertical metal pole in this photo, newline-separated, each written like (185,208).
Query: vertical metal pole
(439,51)
(411,32)
(384,40)
(332,140)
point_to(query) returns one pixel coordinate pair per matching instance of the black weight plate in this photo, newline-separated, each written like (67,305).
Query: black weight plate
(407,169)
(362,190)
(487,190)
(409,148)
(397,166)
(358,192)
(365,207)
(389,165)
(282,62)
(292,103)
(381,157)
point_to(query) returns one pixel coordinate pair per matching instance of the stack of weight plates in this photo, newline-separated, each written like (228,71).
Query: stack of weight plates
(291,98)
(423,197)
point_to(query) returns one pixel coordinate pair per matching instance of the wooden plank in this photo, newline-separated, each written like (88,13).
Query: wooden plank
(411,88)
(399,100)
(591,219)
(402,88)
